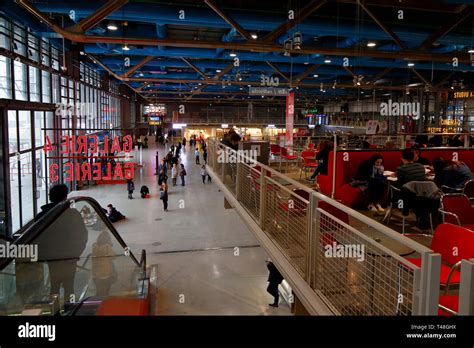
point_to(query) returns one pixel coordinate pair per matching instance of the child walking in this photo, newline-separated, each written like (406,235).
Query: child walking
(174,174)
(182,174)
(203,174)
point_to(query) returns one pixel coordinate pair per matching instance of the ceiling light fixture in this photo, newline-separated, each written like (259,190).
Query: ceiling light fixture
(254,36)
(112,26)
(297,40)
(327,61)
(125,48)
(471,50)
(233,54)
(287,46)
(411,64)
(371,44)
(218,70)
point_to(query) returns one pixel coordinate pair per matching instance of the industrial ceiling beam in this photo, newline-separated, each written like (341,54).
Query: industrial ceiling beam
(381,25)
(349,71)
(380,75)
(252,45)
(445,79)
(90,21)
(278,71)
(304,74)
(421,77)
(300,16)
(145,60)
(447,27)
(229,20)
(419,5)
(216,77)
(194,67)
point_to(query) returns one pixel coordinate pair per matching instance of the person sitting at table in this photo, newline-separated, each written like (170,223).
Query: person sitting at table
(418,158)
(370,172)
(451,174)
(409,170)
(323,158)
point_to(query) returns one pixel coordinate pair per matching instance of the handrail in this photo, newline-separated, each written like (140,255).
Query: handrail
(35,230)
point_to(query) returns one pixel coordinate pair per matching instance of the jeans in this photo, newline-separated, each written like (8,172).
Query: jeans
(182,180)
(165,204)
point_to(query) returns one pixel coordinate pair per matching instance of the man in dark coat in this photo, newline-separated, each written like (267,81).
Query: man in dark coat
(274,279)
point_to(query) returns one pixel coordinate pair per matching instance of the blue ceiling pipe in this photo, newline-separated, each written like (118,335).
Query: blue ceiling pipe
(251,56)
(205,17)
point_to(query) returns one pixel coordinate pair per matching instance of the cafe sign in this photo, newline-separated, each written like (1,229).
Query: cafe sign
(464,95)
(268,91)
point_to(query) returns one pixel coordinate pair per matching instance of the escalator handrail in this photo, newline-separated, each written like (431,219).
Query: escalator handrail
(33,231)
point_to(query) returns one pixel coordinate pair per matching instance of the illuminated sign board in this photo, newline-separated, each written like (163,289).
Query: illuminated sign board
(155,109)
(463,95)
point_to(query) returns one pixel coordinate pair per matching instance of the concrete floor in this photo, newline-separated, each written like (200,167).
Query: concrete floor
(192,245)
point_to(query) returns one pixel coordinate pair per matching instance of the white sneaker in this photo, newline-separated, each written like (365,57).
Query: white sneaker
(379,208)
(372,208)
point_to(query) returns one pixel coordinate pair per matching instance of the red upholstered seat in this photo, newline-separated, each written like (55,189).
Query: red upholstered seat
(349,161)
(460,205)
(123,306)
(446,239)
(286,155)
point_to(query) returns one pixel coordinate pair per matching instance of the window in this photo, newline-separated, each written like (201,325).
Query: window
(24,125)
(19,40)
(33,47)
(20,81)
(34,84)
(12,132)
(46,88)
(4,33)
(45,55)
(5,78)
(56,98)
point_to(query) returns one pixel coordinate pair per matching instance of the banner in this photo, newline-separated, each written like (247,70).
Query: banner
(290,115)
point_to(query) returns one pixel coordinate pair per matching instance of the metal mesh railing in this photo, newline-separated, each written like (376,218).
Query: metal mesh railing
(286,223)
(249,189)
(359,276)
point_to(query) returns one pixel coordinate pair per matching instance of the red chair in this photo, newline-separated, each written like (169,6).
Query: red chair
(457,209)
(449,237)
(275,149)
(468,189)
(311,146)
(297,207)
(308,159)
(285,155)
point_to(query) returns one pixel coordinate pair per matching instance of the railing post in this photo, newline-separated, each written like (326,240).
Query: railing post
(466,289)
(467,139)
(237,182)
(333,193)
(263,194)
(312,237)
(430,273)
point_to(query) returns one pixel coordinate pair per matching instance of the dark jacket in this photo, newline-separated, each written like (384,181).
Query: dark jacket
(115,215)
(130,186)
(44,209)
(323,158)
(274,277)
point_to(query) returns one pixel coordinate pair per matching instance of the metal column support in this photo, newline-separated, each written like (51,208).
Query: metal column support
(263,197)
(430,273)
(466,289)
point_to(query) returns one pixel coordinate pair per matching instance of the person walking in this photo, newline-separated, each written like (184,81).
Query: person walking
(174,174)
(184,143)
(274,279)
(130,188)
(204,155)
(182,174)
(196,153)
(203,174)
(164,196)
(162,178)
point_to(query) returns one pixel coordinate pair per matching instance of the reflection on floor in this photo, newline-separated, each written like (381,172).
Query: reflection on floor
(212,279)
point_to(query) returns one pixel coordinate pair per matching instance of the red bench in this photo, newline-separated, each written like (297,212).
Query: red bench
(348,162)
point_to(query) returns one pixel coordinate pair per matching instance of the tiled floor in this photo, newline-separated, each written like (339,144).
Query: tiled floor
(192,245)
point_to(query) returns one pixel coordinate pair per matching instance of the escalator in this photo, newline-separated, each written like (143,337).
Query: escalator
(72,261)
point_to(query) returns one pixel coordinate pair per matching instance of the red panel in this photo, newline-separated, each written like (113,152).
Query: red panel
(124,306)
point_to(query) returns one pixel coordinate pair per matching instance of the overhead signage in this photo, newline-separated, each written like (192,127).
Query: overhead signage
(269,91)
(463,95)
(155,109)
